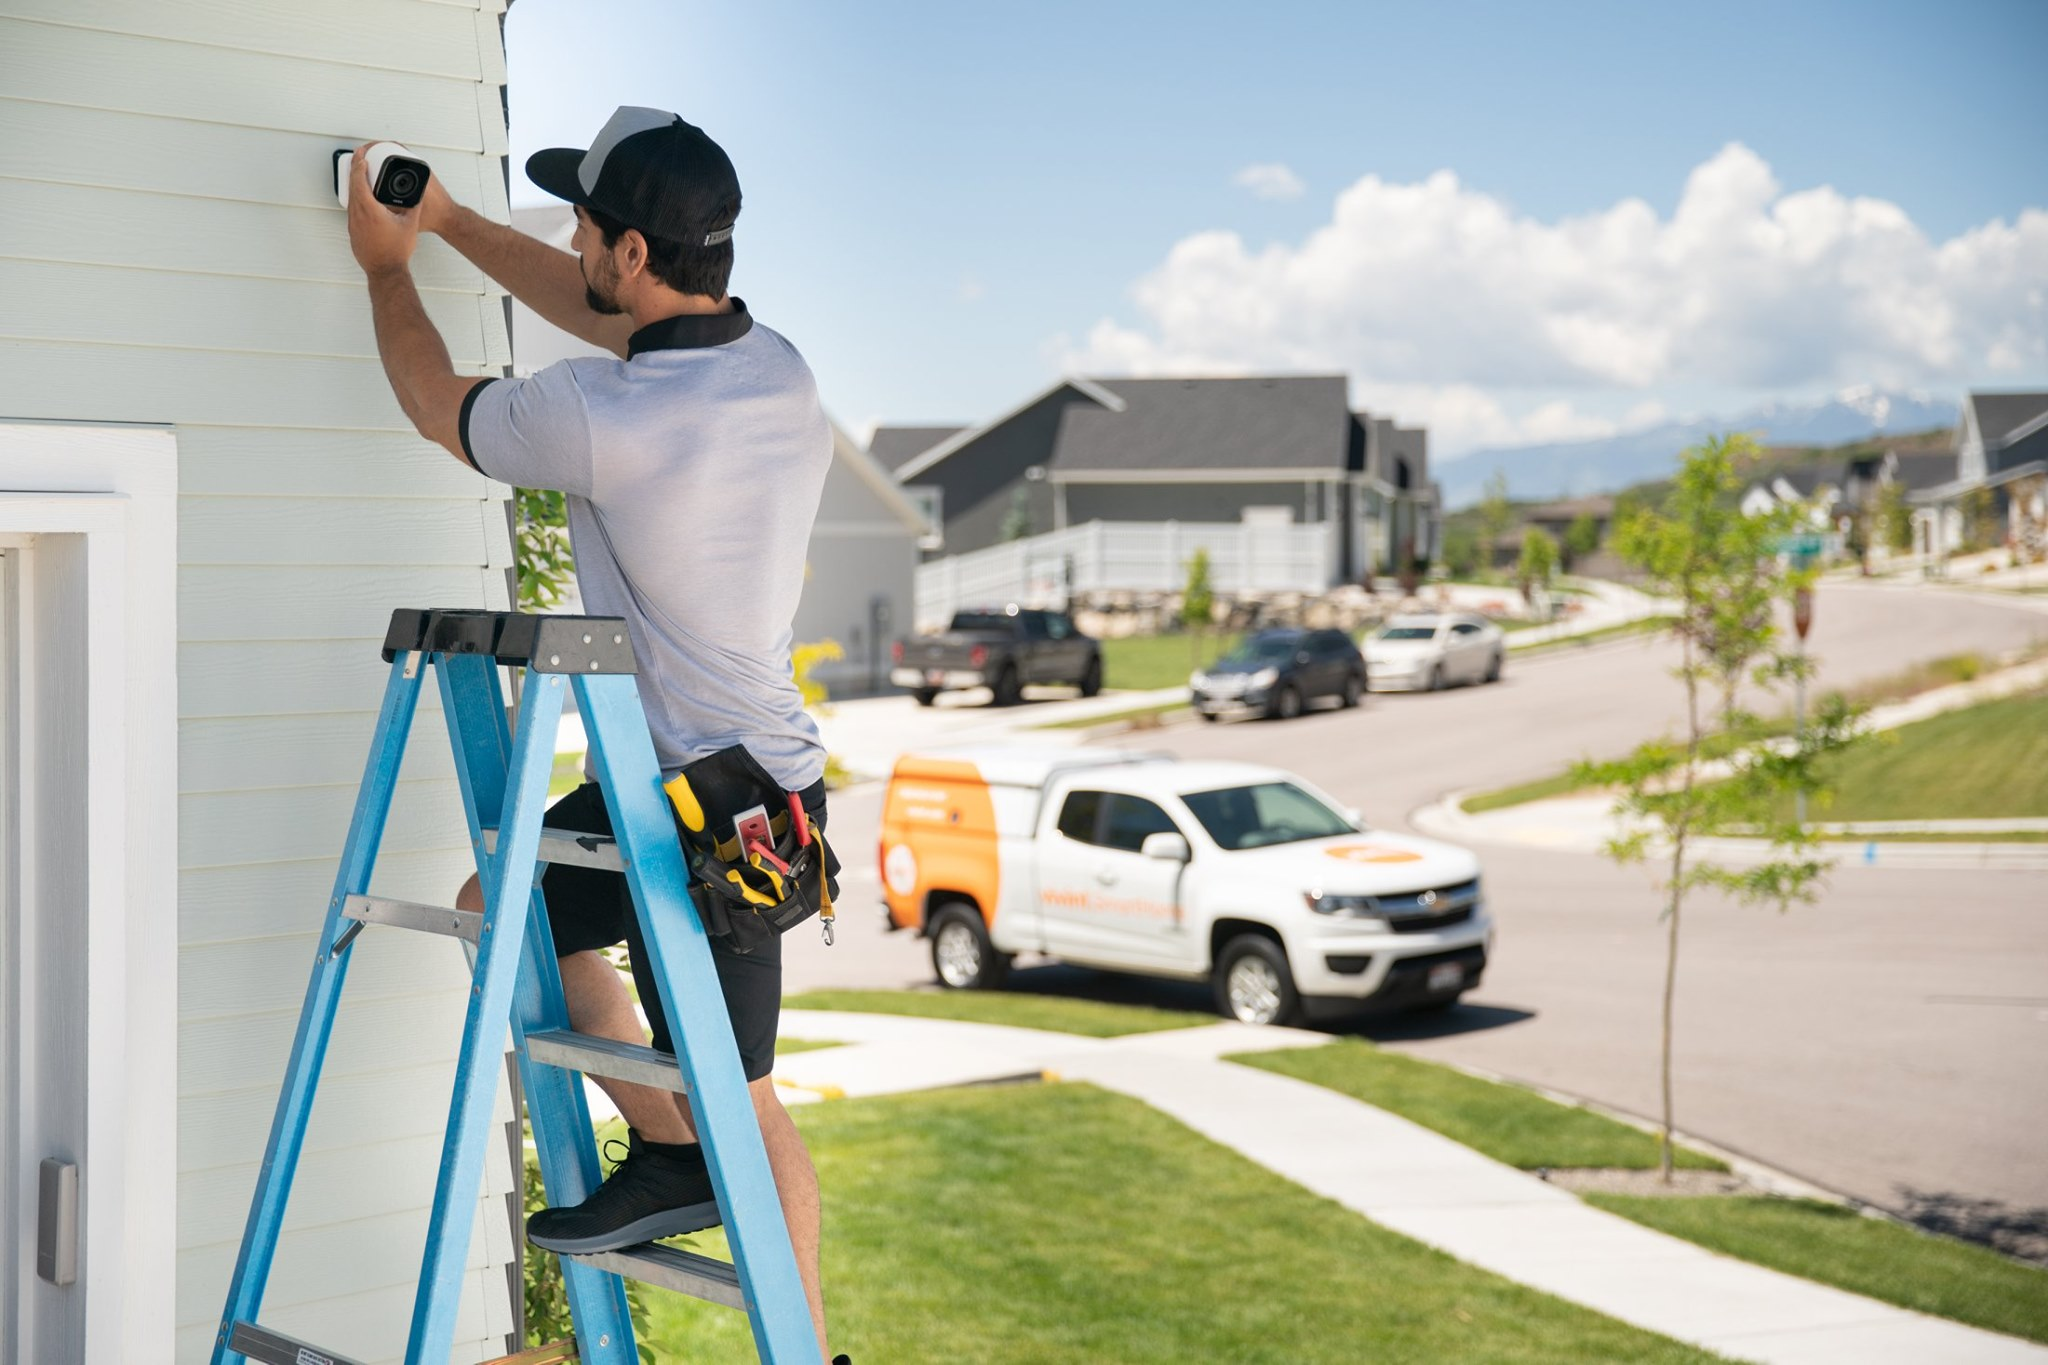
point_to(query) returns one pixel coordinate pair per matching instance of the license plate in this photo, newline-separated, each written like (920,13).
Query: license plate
(934,676)
(1446,976)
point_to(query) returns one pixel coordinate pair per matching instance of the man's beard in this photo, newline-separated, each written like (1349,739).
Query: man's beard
(600,303)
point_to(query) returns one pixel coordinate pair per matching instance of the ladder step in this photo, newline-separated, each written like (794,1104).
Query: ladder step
(432,919)
(562,846)
(670,1267)
(606,1057)
(275,1348)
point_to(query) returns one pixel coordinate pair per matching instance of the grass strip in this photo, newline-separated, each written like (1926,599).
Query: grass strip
(1504,1121)
(1133,715)
(1869,1256)
(2004,836)
(1043,1225)
(1144,662)
(1646,625)
(785,1047)
(1089,1018)
(1980,762)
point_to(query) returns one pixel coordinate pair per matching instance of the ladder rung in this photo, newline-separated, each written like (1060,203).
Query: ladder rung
(606,1057)
(673,1268)
(432,919)
(554,1353)
(561,846)
(275,1348)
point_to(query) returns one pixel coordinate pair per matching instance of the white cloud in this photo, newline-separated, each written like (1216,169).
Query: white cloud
(972,290)
(1444,295)
(1270,180)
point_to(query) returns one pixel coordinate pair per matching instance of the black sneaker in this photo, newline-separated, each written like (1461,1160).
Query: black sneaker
(657,1190)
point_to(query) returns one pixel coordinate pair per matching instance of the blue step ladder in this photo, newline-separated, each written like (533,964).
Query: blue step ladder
(504,775)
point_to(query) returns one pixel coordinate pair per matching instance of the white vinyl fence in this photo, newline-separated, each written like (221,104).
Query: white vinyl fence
(1125,556)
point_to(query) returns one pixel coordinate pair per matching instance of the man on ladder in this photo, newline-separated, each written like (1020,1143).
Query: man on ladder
(693,466)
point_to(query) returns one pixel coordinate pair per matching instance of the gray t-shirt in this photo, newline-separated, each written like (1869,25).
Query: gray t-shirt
(693,470)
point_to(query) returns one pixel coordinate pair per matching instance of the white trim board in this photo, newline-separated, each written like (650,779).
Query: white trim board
(105,497)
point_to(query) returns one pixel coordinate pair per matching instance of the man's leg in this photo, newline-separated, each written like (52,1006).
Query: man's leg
(599,1005)
(796,1184)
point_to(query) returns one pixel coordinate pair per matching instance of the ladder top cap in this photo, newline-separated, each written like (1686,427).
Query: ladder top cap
(546,644)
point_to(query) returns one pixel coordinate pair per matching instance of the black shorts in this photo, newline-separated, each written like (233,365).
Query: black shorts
(591,908)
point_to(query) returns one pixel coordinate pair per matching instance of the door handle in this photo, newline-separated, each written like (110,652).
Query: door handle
(57,1222)
(1105,876)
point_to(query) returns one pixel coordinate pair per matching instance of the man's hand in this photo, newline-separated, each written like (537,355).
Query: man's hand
(435,210)
(381,237)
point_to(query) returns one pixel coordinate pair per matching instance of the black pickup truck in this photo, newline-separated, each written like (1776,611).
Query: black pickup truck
(1002,650)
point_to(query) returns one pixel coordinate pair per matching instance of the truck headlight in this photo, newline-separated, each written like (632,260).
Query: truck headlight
(1350,907)
(1198,679)
(1265,677)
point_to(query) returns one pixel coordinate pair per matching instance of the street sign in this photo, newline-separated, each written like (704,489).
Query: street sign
(1802,611)
(1803,546)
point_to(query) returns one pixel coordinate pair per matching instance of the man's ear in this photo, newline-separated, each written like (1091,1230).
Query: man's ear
(635,253)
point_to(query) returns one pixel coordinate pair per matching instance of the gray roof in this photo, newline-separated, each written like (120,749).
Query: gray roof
(898,446)
(1999,415)
(1292,422)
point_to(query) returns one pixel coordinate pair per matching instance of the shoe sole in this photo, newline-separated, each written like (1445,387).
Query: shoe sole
(667,1223)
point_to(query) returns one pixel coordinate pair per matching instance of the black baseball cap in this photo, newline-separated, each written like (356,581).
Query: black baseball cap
(651,171)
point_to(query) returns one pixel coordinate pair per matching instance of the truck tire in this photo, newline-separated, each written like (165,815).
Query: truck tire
(1008,687)
(963,957)
(926,695)
(1091,680)
(1253,983)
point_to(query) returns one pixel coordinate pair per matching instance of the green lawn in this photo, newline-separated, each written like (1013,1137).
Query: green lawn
(1144,662)
(1134,715)
(1980,762)
(1863,1255)
(786,1046)
(1050,1224)
(1648,625)
(1506,1122)
(1091,1018)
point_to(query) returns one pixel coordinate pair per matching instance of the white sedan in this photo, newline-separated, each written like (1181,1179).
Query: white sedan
(1433,651)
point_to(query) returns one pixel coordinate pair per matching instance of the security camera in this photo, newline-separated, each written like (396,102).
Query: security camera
(397,177)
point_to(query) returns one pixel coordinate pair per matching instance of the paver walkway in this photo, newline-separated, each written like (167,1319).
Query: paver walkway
(1406,1178)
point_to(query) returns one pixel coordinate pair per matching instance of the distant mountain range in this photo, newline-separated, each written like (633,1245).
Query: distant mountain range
(1575,468)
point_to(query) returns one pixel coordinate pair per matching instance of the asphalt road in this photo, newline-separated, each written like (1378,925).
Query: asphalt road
(1890,1042)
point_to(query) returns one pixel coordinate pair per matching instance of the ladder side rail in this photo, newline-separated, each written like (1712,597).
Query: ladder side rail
(554,1098)
(323,998)
(490,1006)
(777,1306)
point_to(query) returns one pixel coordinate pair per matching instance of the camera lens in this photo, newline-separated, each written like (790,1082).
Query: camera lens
(405,183)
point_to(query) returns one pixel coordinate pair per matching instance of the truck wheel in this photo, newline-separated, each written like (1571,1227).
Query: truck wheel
(963,958)
(926,695)
(1009,688)
(1091,681)
(1253,983)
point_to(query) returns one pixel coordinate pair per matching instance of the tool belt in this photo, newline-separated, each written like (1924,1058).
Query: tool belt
(758,863)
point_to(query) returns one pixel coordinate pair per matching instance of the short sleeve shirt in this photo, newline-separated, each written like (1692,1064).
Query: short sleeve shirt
(692,470)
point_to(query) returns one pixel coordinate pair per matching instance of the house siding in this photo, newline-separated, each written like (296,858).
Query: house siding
(976,480)
(1189,501)
(861,552)
(171,253)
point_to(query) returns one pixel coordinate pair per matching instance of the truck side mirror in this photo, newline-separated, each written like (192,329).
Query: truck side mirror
(1355,816)
(1172,848)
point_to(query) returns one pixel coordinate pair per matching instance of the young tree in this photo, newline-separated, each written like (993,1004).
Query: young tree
(1581,538)
(1897,517)
(1495,514)
(1723,570)
(1017,520)
(1538,562)
(540,548)
(1197,602)
(1461,550)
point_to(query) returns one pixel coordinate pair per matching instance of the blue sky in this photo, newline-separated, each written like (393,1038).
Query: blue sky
(949,204)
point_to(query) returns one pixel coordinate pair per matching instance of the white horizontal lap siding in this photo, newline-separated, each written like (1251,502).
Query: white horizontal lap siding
(172,254)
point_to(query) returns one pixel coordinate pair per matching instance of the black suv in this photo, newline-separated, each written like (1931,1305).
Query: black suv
(1278,672)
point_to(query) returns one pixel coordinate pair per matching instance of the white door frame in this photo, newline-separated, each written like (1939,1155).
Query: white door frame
(93,513)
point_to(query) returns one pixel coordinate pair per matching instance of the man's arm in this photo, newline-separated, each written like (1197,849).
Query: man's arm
(548,281)
(415,358)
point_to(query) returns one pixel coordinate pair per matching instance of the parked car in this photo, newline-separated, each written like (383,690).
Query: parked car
(1434,650)
(1002,650)
(1237,873)
(1279,672)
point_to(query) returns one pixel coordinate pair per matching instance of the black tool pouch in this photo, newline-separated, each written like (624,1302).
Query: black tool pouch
(749,890)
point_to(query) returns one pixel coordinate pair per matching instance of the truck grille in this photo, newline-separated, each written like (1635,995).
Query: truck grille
(1418,912)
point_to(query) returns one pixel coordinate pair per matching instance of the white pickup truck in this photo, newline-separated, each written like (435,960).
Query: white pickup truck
(1236,873)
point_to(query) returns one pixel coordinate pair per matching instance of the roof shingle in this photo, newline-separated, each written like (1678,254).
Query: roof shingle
(1271,422)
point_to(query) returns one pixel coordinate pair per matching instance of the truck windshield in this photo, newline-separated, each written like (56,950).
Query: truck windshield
(984,620)
(1262,814)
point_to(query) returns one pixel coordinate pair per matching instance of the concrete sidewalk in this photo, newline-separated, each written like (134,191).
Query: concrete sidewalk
(1406,1178)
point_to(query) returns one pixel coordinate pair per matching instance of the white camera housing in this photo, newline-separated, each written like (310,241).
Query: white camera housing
(397,177)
